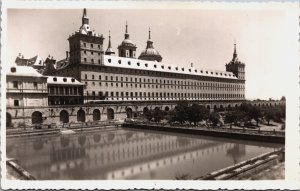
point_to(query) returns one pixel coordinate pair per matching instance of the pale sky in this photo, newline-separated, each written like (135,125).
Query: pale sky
(204,37)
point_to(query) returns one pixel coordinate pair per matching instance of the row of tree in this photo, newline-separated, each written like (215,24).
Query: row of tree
(193,114)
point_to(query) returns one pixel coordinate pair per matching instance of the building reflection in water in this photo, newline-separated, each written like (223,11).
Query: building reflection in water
(124,154)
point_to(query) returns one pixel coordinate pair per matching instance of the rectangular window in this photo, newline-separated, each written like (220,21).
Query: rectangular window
(16,102)
(15,84)
(35,85)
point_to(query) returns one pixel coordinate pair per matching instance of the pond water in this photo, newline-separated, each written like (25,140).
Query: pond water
(129,154)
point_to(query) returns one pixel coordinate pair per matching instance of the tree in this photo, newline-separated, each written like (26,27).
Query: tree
(196,113)
(214,118)
(181,112)
(231,117)
(269,115)
(255,113)
(147,114)
(157,114)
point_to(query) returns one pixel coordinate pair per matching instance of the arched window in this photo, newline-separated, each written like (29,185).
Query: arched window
(96,115)
(110,114)
(81,116)
(129,112)
(37,117)
(64,116)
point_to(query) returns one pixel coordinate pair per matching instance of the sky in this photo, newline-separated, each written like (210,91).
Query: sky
(202,37)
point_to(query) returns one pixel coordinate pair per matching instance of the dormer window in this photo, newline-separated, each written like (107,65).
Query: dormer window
(212,73)
(176,68)
(65,79)
(146,65)
(229,75)
(221,74)
(55,79)
(216,73)
(201,71)
(169,67)
(154,65)
(190,70)
(225,74)
(207,72)
(182,69)
(138,64)
(72,80)
(13,69)
(129,63)
(109,60)
(196,71)
(119,61)
(162,67)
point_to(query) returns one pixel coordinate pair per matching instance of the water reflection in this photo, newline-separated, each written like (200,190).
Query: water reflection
(123,154)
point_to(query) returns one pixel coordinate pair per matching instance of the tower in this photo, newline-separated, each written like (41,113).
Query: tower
(109,50)
(127,48)
(150,53)
(86,46)
(235,66)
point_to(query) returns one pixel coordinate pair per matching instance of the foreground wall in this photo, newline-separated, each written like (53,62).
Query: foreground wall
(55,115)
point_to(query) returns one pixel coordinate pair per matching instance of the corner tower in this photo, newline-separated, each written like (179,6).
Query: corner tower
(127,48)
(150,53)
(86,46)
(235,66)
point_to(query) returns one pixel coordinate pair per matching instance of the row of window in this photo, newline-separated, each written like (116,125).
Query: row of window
(166,82)
(163,95)
(164,86)
(62,90)
(127,71)
(91,45)
(16,85)
(177,68)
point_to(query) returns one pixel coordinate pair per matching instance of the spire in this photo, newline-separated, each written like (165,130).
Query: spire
(85,19)
(109,43)
(109,50)
(234,52)
(149,33)
(126,31)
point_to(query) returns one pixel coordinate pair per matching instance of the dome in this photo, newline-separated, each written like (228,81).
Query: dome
(127,42)
(150,53)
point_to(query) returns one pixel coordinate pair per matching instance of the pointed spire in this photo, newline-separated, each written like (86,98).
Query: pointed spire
(149,33)
(234,52)
(109,43)
(109,50)
(85,19)
(126,31)
(84,12)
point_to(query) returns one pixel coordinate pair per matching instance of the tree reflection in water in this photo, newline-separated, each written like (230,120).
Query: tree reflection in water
(236,152)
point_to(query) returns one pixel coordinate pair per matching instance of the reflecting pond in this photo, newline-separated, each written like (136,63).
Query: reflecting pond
(129,154)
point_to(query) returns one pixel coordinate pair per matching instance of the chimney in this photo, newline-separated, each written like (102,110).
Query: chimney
(192,65)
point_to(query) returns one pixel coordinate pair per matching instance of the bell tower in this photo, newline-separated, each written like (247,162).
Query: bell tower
(235,66)
(127,48)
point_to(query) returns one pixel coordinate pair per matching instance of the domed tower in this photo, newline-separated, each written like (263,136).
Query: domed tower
(109,50)
(127,48)
(150,53)
(235,66)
